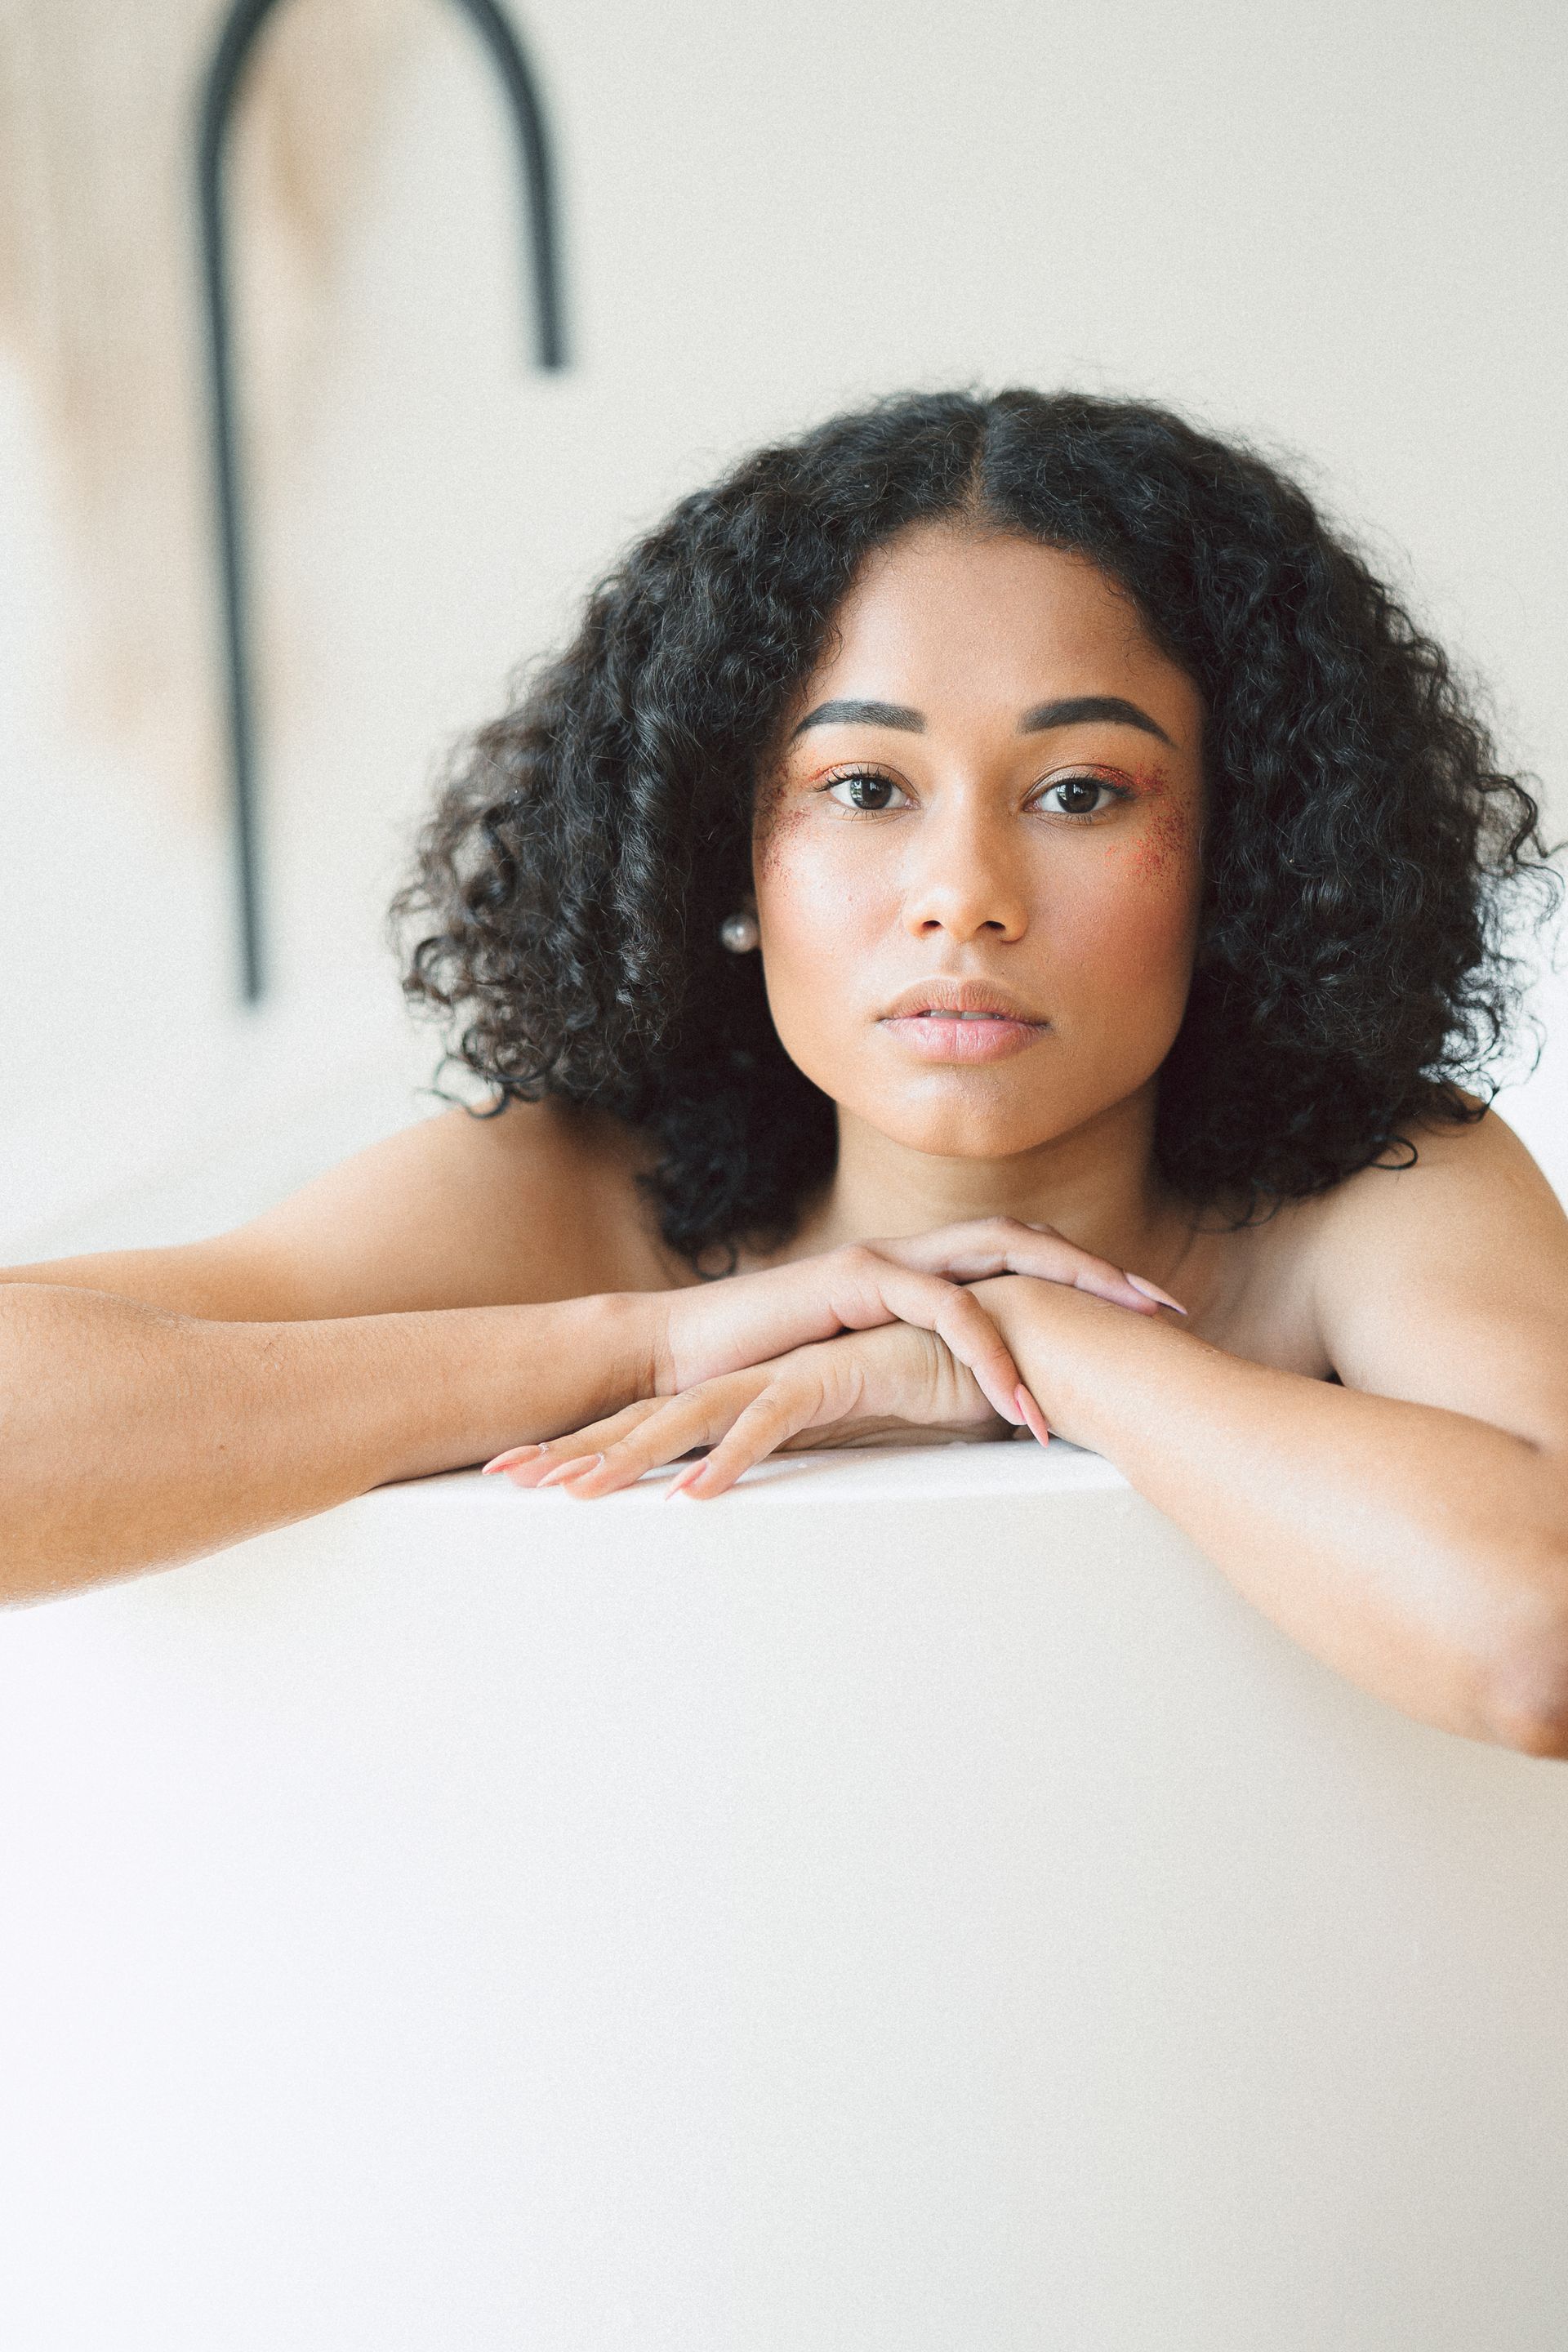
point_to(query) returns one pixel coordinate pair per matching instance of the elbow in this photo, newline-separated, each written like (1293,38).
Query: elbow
(1528,1707)
(1535,1725)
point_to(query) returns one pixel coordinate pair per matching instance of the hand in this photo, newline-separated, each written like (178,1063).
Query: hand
(752,1318)
(846,1391)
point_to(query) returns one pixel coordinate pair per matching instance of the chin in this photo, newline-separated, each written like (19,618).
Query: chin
(967,1130)
(988,1115)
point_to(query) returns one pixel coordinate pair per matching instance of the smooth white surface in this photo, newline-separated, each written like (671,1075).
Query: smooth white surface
(910,1904)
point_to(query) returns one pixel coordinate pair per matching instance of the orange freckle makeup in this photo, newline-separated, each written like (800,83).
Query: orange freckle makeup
(1163,845)
(1166,829)
(773,833)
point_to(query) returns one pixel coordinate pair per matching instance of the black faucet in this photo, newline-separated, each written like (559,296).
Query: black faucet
(541,273)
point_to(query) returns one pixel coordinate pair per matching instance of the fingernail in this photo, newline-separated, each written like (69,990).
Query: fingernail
(1152,1290)
(1030,1414)
(505,1461)
(687,1477)
(572,1469)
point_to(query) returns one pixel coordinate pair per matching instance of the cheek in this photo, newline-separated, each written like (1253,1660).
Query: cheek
(815,890)
(1134,916)
(1131,916)
(822,914)
(1163,851)
(775,845)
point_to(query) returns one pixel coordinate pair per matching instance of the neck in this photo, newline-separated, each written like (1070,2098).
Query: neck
(1098,1186)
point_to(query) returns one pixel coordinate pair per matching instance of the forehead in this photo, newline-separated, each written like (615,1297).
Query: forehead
(947,617)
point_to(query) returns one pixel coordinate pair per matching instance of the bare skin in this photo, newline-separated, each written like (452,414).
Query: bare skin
(1023,813)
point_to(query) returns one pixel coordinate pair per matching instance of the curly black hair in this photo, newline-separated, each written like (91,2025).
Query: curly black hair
(1351,978)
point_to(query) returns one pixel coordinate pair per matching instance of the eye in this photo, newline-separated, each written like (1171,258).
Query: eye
(863,789)
(1079,796)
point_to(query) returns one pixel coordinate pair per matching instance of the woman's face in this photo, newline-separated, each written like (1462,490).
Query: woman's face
(989,798)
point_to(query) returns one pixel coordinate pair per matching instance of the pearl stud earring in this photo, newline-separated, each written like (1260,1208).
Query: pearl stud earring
(739,933)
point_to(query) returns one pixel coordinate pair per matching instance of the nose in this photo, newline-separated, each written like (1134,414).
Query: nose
(966,874)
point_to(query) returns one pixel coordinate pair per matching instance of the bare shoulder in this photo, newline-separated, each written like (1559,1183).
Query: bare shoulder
(1446,1281)
(1468,1183)
(537,1201)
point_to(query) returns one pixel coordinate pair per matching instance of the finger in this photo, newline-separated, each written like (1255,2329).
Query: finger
(866,1290)
(966,1329)
(987,1247)
(677,1424)
(1005,1245)
(1034,1418)
(791,1402)
(533,1465)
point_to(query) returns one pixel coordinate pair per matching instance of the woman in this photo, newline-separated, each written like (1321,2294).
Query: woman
(985,872)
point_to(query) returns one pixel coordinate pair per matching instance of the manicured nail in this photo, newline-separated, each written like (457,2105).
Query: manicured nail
(577,1468)
(687,1477)
(506,1461)
(1030,1414)
(1152,1290)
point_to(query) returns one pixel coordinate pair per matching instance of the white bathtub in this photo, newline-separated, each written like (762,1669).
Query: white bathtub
(910,1904)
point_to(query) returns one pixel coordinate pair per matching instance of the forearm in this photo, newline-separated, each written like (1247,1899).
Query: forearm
(131,1438)
(1420,1552)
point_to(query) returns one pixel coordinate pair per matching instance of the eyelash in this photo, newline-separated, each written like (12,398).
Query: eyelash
(1075,816)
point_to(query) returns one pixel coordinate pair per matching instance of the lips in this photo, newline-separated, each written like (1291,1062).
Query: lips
(932,1013)
(959,1000)
(961,1021)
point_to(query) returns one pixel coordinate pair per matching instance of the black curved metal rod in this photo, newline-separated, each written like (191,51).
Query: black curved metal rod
(542,271)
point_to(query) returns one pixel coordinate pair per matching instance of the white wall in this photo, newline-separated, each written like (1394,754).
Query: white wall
(1339,229)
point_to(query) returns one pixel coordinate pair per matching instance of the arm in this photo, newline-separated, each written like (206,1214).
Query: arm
(131,1437)
(1410,1528)
(405,1312)
(462,1286)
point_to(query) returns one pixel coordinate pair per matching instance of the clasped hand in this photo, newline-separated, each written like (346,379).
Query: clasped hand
(859,1344)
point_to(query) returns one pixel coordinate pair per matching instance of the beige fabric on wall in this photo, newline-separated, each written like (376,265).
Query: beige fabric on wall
(100,302)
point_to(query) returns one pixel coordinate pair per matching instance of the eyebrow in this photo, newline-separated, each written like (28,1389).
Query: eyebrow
(1077,708)
(864,714)
(1073,711)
